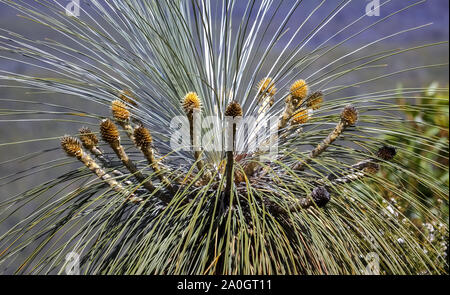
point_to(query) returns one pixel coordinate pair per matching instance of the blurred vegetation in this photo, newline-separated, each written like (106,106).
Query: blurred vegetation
(426,115)
(431,122)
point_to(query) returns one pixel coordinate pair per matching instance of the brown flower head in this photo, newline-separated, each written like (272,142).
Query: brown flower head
(72,146)
(142,137)
(109,131)
(88,138)
(349,115)
(190,102)
(321,196)
(372,168)
(299,90)
(120,111)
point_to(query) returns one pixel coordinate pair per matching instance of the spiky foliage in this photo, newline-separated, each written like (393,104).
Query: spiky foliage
(143,137)
(109,132)
(300,117)
(233,110)
(313,207)
(127,96)
(71,146)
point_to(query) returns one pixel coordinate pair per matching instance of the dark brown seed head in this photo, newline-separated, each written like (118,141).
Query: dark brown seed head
(320,196)
(120,111)
(190,102)
(266,86)
(109,131)
(372,168)
(386,153)
(233,110)
(314,100)
(72,146)
(299,89)
(88,138)
(349,115)
(142,137)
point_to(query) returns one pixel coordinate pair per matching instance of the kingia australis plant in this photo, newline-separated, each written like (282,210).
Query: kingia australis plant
(215,158)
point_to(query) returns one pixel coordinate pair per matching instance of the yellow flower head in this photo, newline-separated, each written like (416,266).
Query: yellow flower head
(299,89)
(120,111)
(190,102)
(72,146)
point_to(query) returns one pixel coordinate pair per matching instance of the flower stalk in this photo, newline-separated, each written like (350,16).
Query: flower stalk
(110,134)
(72,147)
(349,116)
(143,140)
(232,111)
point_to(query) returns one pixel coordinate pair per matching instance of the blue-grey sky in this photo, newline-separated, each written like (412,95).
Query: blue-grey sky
(431,11)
